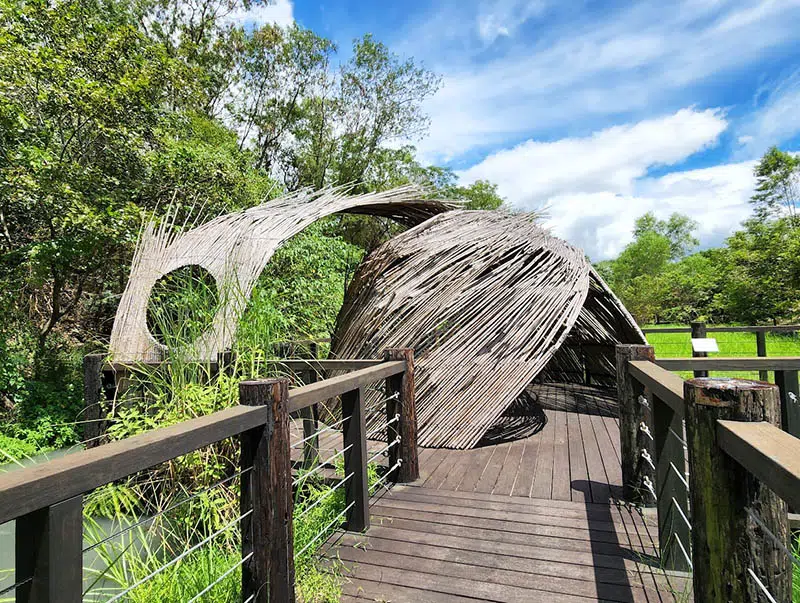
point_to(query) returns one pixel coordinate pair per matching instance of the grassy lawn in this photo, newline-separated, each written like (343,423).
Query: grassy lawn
(678,345)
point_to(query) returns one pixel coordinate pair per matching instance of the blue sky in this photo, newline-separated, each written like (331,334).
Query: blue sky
(596,112)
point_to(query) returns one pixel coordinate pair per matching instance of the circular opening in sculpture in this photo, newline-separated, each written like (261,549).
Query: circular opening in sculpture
(182,305)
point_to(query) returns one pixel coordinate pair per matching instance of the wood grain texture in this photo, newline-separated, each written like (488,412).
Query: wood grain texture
(405,406)
(721,363)
(725,542)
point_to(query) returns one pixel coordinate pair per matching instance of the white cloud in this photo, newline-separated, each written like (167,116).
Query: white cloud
(279,12)
(580,71)
(503,17)
(601,223)
(593,188)
(776,120)
(608,160)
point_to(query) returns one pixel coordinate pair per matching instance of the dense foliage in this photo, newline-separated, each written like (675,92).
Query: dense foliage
(113,110)
(754,278)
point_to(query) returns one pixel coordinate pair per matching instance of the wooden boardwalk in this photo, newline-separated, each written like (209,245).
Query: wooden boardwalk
(533,519)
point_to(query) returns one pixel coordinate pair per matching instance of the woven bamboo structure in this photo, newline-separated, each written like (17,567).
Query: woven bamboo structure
(489,301)
(234,249)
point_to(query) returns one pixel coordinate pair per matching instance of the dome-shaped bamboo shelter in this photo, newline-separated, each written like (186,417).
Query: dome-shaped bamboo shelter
(489,301)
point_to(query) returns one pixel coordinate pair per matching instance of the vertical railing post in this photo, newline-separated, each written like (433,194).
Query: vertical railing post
(674,532)
(402,386)
(699,332)
(761,351)
(267,533)
(354,433)
(48,548)
(634,413)
(726,542)
(787,383)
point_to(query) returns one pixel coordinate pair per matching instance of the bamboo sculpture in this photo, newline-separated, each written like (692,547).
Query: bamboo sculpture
(486,300)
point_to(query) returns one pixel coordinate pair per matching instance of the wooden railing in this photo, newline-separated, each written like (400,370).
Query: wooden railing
(46,499)
(725,515)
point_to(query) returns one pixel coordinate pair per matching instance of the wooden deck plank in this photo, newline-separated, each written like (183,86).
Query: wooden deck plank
(441,473)
(579,476)
(510,469)
(611,462)
(527,467)
(561,472)
(479,459)
(463,461)
(543,477)
(493,467)
(598,481)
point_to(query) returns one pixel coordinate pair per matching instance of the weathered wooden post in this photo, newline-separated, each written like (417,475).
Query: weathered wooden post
(726,542)
(48,548)
(267,533)
(761,352)
(699,332)
(634,415)
(787,383)
(354,432)
(404,405)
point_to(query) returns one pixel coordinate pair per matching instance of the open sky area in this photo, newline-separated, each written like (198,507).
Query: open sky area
(595,112)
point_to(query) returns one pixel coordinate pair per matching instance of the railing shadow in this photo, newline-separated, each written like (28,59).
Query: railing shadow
(611,553)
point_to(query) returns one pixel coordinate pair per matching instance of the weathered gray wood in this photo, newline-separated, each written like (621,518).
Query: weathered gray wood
(725,542)
(93,399)
(48,547)
(699,332)
(267,533)
(341,364)
(336,386)
(761,352)
(356,489)
(660,382)
(718,363)
(45,484)
(766,451)
(787,382)
(405,406)
(673,496)
(747,329)
(632,414)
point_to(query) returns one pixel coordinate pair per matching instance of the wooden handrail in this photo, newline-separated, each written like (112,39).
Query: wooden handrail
(346,364)
(666,386)
(769,453)
(300,397)
(717,363)
(46,484)
(732,329)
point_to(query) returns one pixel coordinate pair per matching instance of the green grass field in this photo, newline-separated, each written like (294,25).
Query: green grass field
(678,345)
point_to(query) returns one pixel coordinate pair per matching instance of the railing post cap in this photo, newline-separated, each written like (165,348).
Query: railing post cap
(267,381)
(722,391)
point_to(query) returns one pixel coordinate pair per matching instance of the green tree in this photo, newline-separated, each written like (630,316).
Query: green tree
(678,229)
(777,185)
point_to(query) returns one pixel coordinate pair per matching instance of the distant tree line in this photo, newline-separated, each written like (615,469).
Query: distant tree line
(754,278)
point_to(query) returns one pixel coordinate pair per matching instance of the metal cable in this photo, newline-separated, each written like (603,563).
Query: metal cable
(775,539)
(683,550)
(249,599)
(324,530)
(761,586)
(236,566)
(678,473)
(325,496)
(321,466)
(317,433)
(15,586)
(172,562)
(680,510)
(385,475)
(382,427)
(384,449)
(677,437)
(167,510)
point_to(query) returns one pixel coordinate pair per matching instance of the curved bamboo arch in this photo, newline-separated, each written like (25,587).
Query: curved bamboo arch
(487,300)
(235,248)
